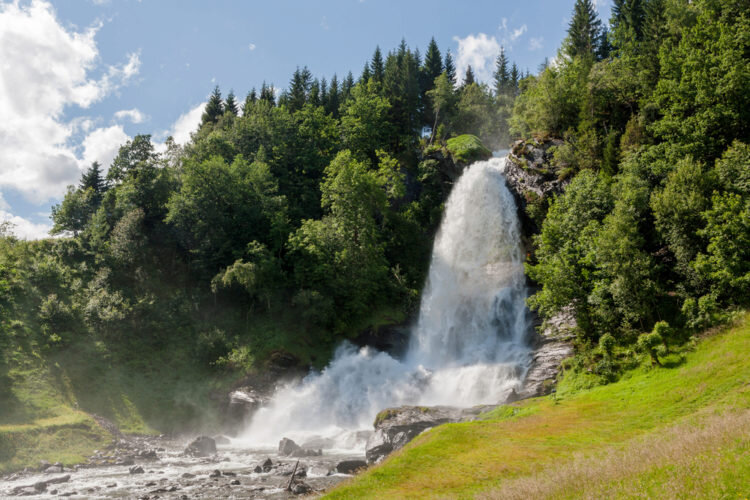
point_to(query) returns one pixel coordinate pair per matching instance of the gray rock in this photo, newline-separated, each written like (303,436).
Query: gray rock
(394,427)
(350,466)
(301,489)
(136,469)
(234,482)
(202,446)
(215,473)
(187,475)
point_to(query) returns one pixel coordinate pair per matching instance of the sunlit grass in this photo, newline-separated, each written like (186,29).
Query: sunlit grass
(526,440)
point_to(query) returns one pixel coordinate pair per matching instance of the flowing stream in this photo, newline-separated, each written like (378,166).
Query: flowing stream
(469,346)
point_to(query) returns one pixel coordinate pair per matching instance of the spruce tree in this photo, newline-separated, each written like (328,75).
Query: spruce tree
(334,97)
(433,66)
(450,67)
(366,74)
(93,179)
(268,94)
(583,31)
(214,108)
(377,66)
(469,76)
(314,97)
(346,86)
(502,76)
(230,105)
(515,77)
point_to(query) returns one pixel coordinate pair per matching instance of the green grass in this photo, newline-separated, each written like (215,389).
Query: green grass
(467,148)
(528,441)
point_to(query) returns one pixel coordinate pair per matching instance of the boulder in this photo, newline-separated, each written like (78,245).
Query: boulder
(394,427)
(215,473)
(350,466)
(202,446)
(136,469)
(288,448)
(301,489)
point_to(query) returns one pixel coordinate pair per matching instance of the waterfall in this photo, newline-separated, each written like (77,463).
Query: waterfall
(468,347)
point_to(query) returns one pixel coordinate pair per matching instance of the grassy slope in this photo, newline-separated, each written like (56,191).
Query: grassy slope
(574,444)
(46,399)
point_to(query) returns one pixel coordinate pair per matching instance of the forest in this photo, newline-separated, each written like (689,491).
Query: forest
(295,219)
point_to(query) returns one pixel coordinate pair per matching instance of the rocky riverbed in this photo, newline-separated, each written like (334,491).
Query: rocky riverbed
(162,468)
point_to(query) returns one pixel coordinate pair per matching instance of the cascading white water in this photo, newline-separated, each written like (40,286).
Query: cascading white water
(469,346)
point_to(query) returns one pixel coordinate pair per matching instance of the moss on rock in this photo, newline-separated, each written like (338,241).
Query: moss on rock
(467,149)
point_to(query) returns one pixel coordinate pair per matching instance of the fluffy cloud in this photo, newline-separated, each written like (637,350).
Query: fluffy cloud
(516,33)
(24,228)
(185,125)
(478,51)
(103,144)
(46,68)
(134,115)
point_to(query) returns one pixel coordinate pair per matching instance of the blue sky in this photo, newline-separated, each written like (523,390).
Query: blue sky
(79,77)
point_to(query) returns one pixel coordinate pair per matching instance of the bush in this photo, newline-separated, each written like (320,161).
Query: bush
(648,343)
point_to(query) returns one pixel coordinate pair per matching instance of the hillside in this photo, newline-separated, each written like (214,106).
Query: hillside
(680,431)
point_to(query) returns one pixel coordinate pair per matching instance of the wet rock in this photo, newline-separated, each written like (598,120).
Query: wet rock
(287,447)
(229,473)
(394,427)
(147,454)
(222,440)
(215,473)
(267,465)
(39,486)
(202,446)
(350,466)
(187,475)
(54,469)
(136,469)
(112,485)
(234,482)
(127,460)
(301,488)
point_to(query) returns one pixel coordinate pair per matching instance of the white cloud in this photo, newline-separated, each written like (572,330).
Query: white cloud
(516,34)
(44,69)
(3,204)
(103,144)
(134,115)
(536,43)
(181,129)
(251,46)
(24,228)
(479,51)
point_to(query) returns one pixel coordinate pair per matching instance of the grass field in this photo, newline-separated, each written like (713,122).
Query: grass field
(681,431)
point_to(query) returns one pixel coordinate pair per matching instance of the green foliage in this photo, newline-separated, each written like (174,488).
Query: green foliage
(467,149)
(648,343)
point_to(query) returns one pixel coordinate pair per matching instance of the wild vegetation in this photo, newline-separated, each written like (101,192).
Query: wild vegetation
(290,223)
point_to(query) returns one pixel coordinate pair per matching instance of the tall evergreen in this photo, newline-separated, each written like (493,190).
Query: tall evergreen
(469,76)
(583,31)
(346,86)
(230,104)
(93,179)
(502,75)
(334,96)
(324,93)
(299,88)
(377,66)
(432,67)
(515,77)
(314,97)
(214,108)
(366,74)
(267,94)
(450,67)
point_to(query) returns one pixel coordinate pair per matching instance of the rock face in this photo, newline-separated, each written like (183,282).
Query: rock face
(394,427)
(532,178)
(202,446)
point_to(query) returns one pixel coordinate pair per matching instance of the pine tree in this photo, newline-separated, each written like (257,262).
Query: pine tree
(214,108)
(627,21)
(94,180)
(314,97)
(583,31)
(502,76)
(366,74)
(268,94)
(299,88)
(377,66)
(605,48)
(450,67)
(346,86)
(230,105)
(433,66)
(334,97)
(469,76)
(324,93)
(515,77)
